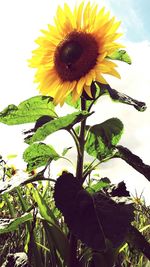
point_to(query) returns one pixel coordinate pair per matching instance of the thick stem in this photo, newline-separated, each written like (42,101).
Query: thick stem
(80,159)
(73,261)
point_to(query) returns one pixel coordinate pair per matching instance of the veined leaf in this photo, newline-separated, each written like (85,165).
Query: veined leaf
(102,137)
(64,122)
(120,55)
(8,225)
(37,155)
(28,111)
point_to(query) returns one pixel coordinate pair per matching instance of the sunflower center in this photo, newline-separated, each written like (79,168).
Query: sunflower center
(75,56)
(70,52)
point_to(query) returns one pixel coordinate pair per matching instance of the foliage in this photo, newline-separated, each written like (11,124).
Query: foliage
(77,220)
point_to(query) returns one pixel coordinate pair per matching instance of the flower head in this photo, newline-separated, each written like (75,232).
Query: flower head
(74,52)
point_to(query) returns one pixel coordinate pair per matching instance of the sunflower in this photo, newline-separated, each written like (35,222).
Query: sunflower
(74,52)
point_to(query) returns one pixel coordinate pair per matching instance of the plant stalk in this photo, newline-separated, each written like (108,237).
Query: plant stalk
(73,261)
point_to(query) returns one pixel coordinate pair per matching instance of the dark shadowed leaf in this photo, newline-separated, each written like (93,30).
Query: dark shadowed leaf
(28,111)
(102,137)
(133,160)
(92,218)
(120,55)
(122,98)
(37,155)
(8,225)
(65,122)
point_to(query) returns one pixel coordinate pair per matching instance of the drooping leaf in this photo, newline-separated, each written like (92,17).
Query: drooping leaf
(39,154)
(65,122)
(122,98)
(8,225)
(92,218)
(133,160)
(120,55)
(102,137)
(28,111)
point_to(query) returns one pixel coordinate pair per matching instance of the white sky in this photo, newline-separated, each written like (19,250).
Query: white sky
(20,24)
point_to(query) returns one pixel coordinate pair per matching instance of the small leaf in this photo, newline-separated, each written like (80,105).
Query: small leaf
(66,150)
(133,160)
(28,111)
(122,98)
(96,187)
(9,225)
(120,55)
(102,137)
(65,122)
(37,155)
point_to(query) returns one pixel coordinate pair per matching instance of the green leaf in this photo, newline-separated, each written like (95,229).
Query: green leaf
(57,238)
(102,137)
(75,104)
(37,155)
(96,187)
(120,55)
(28,111)
(66,150)
(44,209)
(8,225)
(65,122)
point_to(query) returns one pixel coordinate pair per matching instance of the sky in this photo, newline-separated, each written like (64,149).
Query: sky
(20,24)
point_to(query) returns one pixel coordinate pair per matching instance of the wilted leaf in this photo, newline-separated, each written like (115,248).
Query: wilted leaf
(28,111)
(37,155)
(120,55)
(65,122)
(102,137)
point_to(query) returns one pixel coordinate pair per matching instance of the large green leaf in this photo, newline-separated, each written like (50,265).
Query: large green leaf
(120,55)
(39,154)
(102,137)
(65,122)
(8,225)
(28,111)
